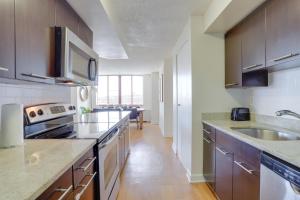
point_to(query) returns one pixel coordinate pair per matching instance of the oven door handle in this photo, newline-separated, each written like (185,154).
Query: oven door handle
(101,146)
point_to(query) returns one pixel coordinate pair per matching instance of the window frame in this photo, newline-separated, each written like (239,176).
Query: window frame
(119,90)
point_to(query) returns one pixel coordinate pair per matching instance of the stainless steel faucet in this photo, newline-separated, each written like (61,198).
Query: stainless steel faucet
(287,112)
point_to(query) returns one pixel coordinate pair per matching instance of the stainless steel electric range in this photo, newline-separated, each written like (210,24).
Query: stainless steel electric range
(60,121)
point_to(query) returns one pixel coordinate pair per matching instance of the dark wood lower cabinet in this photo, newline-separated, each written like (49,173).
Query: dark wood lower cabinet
(224,173)
(63,187)
(78,182)
(237,169)
(245,182)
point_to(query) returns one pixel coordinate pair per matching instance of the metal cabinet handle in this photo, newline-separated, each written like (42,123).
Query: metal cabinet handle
(252,66)
(206,140)
(206,131)
(101,146)
(231,84)
(4,69)
(88,165)
(85,186)
(222,151)
(242,165)
(38,76)
(285,57)
(64,192)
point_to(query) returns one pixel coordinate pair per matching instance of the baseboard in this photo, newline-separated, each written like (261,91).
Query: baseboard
(195,178)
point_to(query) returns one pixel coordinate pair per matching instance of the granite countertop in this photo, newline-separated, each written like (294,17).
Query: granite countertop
(285,150)
(97,125)
(27,171)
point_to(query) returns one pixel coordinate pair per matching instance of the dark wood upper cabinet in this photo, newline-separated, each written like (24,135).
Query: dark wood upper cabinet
(66,16)
(233,58)
(85,33)
(253,41)
(7,39)
(283,31)
(34,21)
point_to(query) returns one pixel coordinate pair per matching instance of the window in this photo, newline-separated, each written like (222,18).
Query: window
(125,90)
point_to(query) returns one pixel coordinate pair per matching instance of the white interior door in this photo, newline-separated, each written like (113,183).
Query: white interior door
(182,110)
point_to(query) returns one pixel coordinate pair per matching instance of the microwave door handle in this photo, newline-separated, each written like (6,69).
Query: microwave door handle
(92,77)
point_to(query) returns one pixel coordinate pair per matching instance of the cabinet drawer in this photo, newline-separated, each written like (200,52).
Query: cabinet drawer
(209,131)
(63,187)
(226,141)
(83,167)
(246,181)
(248,155)
(86,188)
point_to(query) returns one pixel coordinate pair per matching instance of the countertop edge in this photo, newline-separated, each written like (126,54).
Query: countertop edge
(68,166)
(113,127)
(251,141)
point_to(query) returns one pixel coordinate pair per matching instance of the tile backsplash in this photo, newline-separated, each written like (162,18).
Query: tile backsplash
(33,94)
(283,93)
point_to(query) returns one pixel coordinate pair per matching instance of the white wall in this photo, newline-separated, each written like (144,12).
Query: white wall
(33,94)
(168,98)
(208,92)
(161,104)
(283,92)
(155,98)
(76,100)
(147,97)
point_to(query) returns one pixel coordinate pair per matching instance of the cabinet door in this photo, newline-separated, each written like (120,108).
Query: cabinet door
(245,182)
(283,31)
(65,16)
(121,150)
(233,58)
(209,161)
(34,40)
(7,39)
(85,33)
(62,187)
(253,41)
(127,141)
(224,173)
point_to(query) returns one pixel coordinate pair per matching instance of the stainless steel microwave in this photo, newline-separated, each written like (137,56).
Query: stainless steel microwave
(75,62)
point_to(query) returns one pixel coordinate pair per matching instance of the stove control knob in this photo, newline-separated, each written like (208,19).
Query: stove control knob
(32,114)
(74,108)
(40,112)
(70,107)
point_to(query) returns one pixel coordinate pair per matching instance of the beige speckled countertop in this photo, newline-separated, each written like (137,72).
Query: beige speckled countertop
(27,171)
(286,150)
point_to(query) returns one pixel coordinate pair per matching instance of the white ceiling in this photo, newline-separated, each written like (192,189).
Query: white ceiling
(106,39)
(148,30)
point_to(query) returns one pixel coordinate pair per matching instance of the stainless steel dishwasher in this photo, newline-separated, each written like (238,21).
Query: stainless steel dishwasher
(279,179)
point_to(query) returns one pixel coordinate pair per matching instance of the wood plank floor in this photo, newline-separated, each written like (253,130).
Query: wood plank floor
(153,171)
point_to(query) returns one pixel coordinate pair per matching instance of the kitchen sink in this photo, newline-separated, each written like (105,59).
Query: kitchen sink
(266,134)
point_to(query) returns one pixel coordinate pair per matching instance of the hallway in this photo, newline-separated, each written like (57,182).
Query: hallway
(153,172)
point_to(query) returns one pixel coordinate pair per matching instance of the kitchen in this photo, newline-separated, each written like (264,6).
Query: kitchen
(122,100)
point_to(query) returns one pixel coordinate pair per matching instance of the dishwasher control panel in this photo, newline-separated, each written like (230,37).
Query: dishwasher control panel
(282,168)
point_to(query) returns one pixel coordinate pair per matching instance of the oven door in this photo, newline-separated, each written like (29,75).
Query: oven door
(109,166)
